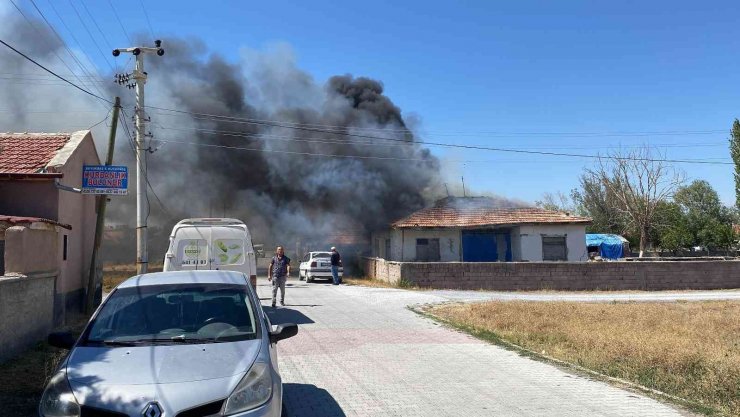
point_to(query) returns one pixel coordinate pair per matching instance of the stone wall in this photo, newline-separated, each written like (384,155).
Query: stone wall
(568,276)
(26,311)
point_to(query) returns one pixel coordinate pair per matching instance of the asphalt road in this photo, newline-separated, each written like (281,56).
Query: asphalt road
(361,352)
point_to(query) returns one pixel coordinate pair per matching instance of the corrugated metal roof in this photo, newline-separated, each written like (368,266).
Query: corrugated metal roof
(29,153)
(482,211)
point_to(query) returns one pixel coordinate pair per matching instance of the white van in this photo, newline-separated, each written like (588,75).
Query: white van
(207,243)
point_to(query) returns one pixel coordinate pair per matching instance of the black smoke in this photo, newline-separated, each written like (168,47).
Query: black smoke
(311,165)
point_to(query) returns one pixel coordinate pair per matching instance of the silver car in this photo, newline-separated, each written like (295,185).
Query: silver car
(172,344)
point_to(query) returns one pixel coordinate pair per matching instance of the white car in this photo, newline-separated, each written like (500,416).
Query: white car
(317,265)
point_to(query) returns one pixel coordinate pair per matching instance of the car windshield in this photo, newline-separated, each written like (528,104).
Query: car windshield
(321,255)
(174,314)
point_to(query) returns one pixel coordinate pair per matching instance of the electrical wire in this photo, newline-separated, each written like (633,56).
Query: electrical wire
(55,74)
(146,15)
(95,42)
(123,28)
(458,146)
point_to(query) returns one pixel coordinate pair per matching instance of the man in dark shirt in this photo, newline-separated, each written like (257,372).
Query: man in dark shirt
(278,274)
(336,262)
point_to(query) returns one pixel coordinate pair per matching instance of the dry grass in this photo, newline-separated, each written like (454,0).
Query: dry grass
(23,379)
(690,350)
(117,273)
(375,283)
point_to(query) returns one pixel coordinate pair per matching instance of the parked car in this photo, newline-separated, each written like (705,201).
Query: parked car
(317,265)
(211,243)
(171,344)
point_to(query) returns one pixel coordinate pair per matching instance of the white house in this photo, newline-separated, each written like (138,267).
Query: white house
(476,229)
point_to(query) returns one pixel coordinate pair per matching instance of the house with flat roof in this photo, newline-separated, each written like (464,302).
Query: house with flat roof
(39,173)
(477,229)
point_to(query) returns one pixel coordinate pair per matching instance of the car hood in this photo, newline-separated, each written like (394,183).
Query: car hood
(125,379)
(160,364)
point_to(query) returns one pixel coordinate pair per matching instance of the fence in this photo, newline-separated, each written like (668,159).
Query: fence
(567,276)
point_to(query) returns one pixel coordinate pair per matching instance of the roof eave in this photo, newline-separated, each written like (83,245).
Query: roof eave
(30,175)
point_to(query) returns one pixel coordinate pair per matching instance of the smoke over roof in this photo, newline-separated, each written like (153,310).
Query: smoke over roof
(305,180)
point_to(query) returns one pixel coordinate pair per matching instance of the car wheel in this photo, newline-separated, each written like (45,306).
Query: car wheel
(309,279)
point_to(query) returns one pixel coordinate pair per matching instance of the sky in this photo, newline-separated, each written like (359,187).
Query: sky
(581,77)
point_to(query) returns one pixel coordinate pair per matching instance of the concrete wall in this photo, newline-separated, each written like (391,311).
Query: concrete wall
(530,237)
(29,251)
(382,270)
(26,312)
(514,276)
(79,211)
(32,198)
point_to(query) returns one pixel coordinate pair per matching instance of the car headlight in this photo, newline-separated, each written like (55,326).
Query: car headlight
(58,399)
(253,390)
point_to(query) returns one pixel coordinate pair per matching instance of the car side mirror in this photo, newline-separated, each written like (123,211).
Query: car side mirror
(62,340)
(283,331)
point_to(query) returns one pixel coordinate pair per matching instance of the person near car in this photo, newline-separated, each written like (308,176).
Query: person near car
(278,274)
(336,262)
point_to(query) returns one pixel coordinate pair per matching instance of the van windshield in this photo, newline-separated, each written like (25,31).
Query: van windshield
(173,314)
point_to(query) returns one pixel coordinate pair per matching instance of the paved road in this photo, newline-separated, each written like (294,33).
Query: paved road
(361,352)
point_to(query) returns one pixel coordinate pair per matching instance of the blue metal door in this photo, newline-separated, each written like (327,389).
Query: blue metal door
(479,246)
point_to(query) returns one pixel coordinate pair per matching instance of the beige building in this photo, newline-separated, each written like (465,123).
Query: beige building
(475,229)
(37,174)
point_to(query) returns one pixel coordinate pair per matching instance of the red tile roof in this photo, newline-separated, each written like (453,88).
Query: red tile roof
(25,220)
(22,153)
(481,211)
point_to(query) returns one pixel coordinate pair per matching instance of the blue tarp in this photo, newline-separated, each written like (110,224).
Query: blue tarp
(610,246)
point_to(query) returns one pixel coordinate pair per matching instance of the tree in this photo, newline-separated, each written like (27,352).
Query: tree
(671,230)
(708,221)
(636,183)
(735,154)
(558,201)
(595,202)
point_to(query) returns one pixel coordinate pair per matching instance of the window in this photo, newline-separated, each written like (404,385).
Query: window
(427,250)
(554,248)
(64,249)
(172,314)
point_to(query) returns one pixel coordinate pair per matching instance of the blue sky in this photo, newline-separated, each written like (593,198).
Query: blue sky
(512,74)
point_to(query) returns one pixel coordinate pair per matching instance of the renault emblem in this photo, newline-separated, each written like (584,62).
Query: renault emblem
(152,410)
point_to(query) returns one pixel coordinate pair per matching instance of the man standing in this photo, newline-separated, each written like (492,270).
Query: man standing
(336,262)
(278,273)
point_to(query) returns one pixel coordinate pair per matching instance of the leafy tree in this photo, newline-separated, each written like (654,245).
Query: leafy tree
(708,221)
(735,153)
(671,231)
(594,201)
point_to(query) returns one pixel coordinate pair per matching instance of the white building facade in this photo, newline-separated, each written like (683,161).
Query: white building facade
(474,230)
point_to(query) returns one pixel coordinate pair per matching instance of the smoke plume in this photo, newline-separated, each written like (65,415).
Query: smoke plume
(295,158)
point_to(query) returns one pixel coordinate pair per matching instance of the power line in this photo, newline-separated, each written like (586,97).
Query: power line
(148,22)
(119,21)
(343,129)
(404,144)
(450,145)
(64,44)
(84,25)
(54,74)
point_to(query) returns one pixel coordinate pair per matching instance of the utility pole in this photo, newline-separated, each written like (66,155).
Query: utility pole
(100,222)
(139,75)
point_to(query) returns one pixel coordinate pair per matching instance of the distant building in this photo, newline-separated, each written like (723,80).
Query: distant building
(475,229)
(33,169)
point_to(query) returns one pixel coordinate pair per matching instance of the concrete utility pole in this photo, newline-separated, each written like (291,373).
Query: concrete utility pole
(139,75)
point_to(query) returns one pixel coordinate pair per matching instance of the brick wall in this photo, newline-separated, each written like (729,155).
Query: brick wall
(513,276)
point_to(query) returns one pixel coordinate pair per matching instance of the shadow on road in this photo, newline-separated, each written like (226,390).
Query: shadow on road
(306,400)
(286,315)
